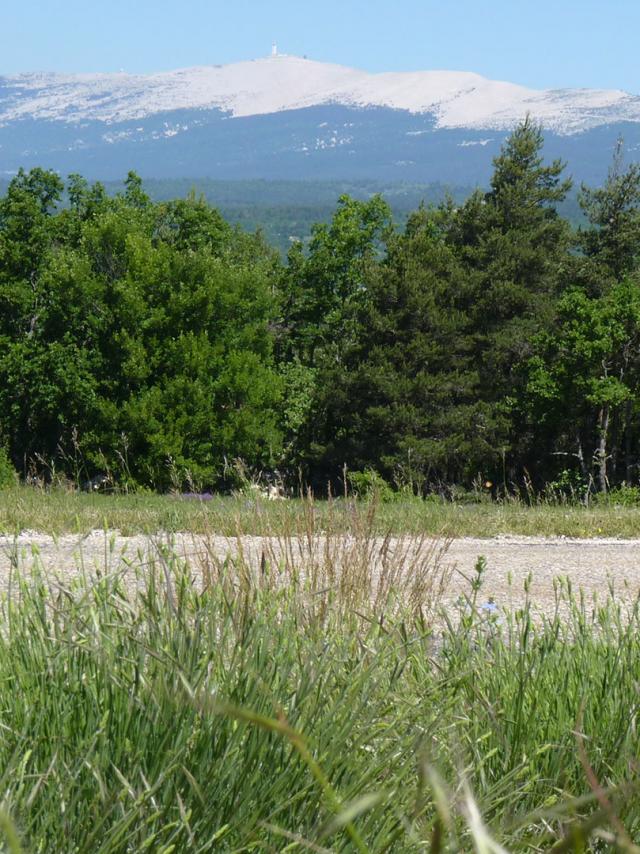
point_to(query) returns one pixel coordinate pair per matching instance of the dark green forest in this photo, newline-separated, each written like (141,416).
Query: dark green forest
(486,340)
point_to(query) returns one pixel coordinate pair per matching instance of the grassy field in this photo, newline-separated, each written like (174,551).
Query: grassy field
(61,511)
(259,717)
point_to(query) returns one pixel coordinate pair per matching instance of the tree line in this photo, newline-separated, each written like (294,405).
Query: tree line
(488,339)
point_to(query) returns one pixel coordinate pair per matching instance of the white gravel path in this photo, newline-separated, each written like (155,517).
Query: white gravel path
(591,565)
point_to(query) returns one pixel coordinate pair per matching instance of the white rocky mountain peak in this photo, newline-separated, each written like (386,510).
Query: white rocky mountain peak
(280,82)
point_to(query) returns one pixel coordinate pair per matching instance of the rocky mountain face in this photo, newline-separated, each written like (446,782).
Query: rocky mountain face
(288,117)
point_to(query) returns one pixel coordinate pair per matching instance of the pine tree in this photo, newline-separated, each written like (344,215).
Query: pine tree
(611,244)
(407,400)
(515,249)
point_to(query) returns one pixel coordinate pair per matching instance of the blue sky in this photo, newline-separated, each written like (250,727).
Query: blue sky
(541,44)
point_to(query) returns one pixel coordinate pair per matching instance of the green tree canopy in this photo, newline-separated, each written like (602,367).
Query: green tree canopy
(136,333)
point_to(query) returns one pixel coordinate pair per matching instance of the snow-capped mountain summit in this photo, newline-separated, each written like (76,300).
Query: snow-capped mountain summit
(280,83)
(285,116)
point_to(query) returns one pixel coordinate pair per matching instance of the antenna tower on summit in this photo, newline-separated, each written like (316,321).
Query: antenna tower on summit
(274,49)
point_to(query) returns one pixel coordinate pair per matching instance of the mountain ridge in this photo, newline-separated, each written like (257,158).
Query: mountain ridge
(290,118)
(281,83)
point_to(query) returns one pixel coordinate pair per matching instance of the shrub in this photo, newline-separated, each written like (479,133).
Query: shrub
(622,496)
(369,484)
(569,485)
(8,475)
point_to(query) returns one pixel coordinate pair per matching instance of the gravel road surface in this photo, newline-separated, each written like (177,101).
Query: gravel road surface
(593,565)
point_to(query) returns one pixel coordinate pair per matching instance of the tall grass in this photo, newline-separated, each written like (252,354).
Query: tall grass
(279,709)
